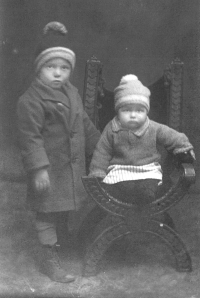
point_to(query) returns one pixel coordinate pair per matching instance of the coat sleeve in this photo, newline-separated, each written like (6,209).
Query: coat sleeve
(173,140)
(102,154)
(30,117)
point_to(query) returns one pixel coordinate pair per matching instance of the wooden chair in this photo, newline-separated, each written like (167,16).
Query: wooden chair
(111,219)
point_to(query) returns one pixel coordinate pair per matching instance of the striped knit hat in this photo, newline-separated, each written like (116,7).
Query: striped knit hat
(131,90)
(54,44)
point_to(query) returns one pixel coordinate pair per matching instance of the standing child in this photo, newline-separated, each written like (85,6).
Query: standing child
(55,133)
(126,156)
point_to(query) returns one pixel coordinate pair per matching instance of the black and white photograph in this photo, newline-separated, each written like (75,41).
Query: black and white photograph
(100,148)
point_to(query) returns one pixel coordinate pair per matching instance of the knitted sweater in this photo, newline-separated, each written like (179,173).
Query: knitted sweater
(119,146)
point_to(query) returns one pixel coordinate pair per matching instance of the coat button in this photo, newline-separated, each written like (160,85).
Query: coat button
(60,106)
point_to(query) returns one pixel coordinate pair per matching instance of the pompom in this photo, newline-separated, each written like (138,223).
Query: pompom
(55,26)
(128,78)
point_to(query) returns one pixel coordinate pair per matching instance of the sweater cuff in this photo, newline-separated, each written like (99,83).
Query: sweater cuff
(182,150)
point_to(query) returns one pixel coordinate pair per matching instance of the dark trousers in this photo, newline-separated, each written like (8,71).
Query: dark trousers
(140,192)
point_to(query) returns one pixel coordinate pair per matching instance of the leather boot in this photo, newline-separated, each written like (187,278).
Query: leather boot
(51,265)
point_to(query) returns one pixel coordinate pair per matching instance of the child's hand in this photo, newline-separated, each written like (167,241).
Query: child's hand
(41,180)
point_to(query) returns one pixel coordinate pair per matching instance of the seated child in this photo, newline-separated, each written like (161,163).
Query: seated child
(126,156)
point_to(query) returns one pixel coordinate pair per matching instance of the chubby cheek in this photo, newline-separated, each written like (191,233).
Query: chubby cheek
(123,121)
(64,80)
(43,76)
(45,80)
(66,77)
(144,118)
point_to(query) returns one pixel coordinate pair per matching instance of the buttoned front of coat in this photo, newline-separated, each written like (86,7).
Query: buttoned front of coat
(55,132)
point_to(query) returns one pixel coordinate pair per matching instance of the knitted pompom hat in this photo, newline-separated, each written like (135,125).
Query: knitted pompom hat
(131,90)
(54,44)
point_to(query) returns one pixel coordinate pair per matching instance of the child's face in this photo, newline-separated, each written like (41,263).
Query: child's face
(55,72)
(132,116)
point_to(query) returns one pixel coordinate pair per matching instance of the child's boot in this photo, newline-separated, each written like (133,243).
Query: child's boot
(51,265)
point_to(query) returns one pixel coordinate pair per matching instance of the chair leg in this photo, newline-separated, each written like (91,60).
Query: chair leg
(108,231)
(173,241)
(102,242)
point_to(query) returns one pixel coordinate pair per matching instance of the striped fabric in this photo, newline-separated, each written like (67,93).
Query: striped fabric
(118,173)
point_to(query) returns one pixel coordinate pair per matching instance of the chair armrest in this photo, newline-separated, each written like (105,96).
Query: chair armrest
(184,158)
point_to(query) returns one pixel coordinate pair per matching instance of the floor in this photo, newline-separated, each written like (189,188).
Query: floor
(146,270)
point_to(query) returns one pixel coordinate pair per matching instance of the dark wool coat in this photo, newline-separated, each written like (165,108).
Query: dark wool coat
(118,146)
(55,132)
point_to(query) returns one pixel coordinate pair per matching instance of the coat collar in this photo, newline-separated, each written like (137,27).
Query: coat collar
(48,93)
(67,96)
(116,126)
